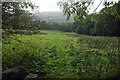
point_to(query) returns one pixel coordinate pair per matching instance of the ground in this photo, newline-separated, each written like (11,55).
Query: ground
(56,54)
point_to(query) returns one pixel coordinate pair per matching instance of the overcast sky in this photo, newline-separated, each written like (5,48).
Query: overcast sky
(47,5)
(51,5)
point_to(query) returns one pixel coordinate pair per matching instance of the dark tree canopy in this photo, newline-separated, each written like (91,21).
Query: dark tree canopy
(15,15)
(106,22)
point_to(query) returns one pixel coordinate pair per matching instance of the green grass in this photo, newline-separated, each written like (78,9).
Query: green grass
(56,54)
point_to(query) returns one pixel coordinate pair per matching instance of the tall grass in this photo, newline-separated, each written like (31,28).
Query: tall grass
(56,54)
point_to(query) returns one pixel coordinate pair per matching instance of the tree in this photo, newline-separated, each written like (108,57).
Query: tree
(106,22)
(14,14)
(79,8)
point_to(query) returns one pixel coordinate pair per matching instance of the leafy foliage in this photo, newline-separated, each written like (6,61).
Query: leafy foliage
(15,16)
(104,23)
(79,8)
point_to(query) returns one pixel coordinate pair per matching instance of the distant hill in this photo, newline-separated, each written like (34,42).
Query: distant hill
(51,17)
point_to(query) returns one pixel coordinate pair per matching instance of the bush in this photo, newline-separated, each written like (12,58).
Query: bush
(26,32)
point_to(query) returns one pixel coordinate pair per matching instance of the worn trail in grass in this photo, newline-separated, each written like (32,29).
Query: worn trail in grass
(56,54)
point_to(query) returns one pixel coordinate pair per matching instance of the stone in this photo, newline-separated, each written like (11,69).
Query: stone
(32,76)
(14,74)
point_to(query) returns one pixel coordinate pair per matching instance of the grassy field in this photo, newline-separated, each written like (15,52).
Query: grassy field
(55,54)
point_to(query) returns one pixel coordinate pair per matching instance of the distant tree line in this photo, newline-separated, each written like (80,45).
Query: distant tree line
(64,26)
